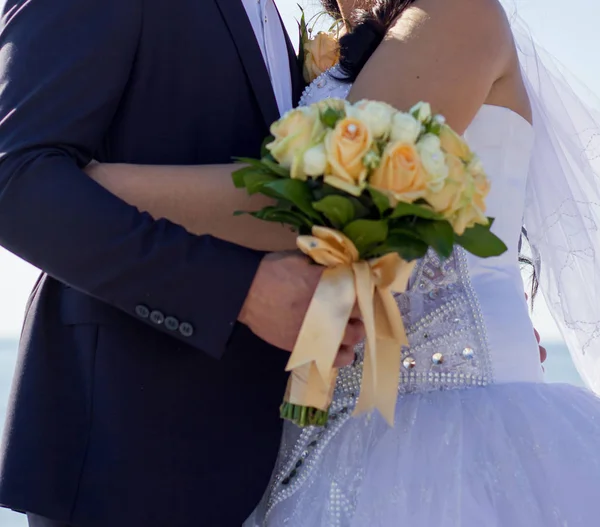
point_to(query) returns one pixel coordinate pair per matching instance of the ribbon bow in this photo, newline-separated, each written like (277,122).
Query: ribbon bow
(346,281)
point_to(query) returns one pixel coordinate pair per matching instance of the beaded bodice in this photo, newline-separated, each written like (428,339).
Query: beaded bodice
(466,318)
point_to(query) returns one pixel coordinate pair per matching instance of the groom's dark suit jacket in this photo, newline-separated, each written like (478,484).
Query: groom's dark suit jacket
(138,399)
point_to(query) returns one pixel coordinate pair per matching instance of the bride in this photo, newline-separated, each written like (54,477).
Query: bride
(479,440)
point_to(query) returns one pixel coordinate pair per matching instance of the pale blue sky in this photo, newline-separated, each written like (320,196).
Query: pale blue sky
(567,30)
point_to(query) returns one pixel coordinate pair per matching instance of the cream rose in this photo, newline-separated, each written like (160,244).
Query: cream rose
(476,167)
(422,111)
(447,200)
(433,160)
(320,53)
(315,161)
(405,128)
(400,174)
(377,115)
(346,146)
(454,144)
(293,134)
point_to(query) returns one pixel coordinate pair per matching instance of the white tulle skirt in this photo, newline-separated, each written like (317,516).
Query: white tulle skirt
(511,455)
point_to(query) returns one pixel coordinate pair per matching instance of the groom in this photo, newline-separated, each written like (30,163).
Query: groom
(139,400)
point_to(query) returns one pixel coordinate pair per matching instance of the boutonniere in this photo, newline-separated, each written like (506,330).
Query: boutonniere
(318,52)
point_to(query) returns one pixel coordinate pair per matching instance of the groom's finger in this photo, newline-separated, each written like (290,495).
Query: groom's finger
(345,357)
(355,333)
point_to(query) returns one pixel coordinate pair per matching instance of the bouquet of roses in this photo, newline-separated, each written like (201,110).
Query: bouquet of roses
(369,189)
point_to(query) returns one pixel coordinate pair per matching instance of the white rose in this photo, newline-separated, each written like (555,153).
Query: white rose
(433,160)
(476,167)
(422,111)
(377,116)
(405,128)
(315,160)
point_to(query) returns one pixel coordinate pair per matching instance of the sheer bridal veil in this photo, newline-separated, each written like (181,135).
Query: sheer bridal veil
(562,211)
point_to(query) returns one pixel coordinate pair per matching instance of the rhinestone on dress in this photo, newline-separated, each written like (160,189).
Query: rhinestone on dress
(468,353)
(438,358)
(409,363)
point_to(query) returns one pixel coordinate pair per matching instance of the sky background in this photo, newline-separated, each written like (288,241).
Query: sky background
(568,30)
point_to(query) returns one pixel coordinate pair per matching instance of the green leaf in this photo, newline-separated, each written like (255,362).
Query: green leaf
(360,209)
(275,167)
(277,215)
(437,234)
(380,200)
(239,176)
(404,231)
(296,192)
(330,117)
(411,209)
(266,164)
(480,241)
(256,163)
(255,181)
(264,152)
(337,209)
(407,247)
(366,234)
(247,178)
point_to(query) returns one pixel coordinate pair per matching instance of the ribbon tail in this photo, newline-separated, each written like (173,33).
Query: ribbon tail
(381,370)
(382,363)
(307,388)
(366,398)
(325,322)
(365,288)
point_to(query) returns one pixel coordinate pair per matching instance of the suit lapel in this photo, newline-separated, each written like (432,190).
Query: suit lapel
(298,83)
(237,21)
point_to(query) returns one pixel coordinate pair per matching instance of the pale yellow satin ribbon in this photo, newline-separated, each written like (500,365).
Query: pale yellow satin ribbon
(346,281)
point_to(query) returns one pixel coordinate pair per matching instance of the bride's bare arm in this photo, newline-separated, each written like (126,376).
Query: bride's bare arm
(453,55)
(200,198)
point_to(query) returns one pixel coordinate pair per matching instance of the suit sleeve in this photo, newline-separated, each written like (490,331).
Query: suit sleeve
(64,65)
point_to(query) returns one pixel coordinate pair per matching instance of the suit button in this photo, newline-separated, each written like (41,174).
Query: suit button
(186,329)
(142,311)
(157,317)
(171,323)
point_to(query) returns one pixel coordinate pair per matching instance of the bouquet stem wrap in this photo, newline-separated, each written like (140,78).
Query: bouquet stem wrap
(346,281)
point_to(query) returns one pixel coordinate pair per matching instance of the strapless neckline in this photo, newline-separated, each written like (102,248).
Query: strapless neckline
(507,111)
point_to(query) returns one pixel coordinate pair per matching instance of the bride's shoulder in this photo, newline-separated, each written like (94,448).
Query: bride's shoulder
(449,53)
(474,20)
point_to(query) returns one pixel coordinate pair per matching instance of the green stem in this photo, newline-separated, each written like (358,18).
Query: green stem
(303,416)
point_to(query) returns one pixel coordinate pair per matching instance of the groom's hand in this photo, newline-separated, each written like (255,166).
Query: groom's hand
(279,298)
(543,352)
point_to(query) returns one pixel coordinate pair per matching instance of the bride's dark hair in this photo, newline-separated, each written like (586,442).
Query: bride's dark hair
(369,27)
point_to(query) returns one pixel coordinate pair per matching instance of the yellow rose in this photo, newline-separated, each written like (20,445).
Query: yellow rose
(448,200)
(293,134)
(346,145)
(339,105)
(454,144)
(400,174)
(472,208)
(320,53)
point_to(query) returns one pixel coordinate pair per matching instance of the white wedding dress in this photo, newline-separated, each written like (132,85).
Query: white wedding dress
(479,439)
